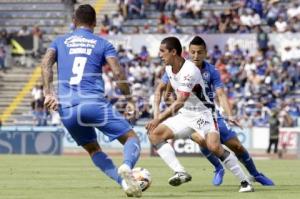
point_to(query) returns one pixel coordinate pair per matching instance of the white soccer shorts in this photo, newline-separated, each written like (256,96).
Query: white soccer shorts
(186,123)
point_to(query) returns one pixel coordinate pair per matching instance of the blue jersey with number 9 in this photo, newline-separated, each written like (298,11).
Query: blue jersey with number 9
(80,57)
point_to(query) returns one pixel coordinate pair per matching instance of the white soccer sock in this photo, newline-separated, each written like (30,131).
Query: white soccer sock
(167,153)
(231,163)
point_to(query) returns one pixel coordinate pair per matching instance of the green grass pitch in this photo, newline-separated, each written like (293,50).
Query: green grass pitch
(75,177)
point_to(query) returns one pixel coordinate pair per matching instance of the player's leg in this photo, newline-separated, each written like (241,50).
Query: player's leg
(229,138)
(214,160)
(86,137)
(206,126)
(275,145)
(158,139)
(229,160)
(132,148)
(270,145)
(113,125)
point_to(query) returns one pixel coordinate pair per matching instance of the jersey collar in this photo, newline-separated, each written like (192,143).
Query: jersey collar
(81,28)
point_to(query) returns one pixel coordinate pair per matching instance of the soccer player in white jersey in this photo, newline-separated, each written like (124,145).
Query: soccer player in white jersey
(193,110)
(215,89)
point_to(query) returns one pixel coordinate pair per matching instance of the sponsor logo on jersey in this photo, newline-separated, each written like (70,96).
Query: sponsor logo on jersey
(187,78)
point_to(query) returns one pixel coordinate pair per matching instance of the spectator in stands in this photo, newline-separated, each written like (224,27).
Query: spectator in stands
(274,131)
(37,95)
(40,113)
(294,10)
(223,26)
(5,40)
(272,12)
(215,54)
(24,31)
(123,8)
(193,8)
(262,40)
(144,54)
(117,21)
(160,5)
(136,9)
(105,25)
(171,5)
(2,59)
(281,25)
(37,40)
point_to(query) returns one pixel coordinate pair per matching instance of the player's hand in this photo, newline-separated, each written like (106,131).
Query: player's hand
(234,123)
(150,126)
(51,102)
(130,110)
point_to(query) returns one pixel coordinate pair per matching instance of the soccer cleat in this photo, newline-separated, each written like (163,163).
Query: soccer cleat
(263,180)
(179,178)
(246,187)
(129,183)
(218,178)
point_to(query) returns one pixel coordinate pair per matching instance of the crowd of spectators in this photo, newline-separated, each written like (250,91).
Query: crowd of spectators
(232,16)
(4,50)
(42,117)
(256,83)
(20,58)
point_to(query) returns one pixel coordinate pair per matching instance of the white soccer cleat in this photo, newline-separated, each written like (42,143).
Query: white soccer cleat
(179,178)
(129,183)
(246,187)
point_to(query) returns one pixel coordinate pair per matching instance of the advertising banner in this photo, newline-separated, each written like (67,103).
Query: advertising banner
(106,144)
(187,147)
(31,140)
(288,138)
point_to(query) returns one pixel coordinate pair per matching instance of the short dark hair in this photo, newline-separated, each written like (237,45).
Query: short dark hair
(85,14)
(173,43)
(198,41)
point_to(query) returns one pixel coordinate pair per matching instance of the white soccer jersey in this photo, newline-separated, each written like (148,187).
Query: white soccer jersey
(189,79)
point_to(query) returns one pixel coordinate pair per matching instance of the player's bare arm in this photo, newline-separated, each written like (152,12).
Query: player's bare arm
(48,61)
(175,106)
(157,98)
(223,100)
(119,75)
(168,96)
(122,84)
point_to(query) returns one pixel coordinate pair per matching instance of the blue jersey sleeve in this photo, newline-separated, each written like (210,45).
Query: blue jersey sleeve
(216,78)
(109,51)
(165,78)
(53,45)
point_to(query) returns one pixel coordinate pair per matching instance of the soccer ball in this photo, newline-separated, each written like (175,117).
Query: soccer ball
(143,177)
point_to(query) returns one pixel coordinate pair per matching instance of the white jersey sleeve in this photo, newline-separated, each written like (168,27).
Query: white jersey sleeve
(187,80)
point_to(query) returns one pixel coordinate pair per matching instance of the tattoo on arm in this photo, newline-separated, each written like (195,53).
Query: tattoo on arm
(47,70)
(119,75)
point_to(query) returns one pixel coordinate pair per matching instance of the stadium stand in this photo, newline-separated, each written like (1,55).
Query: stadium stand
(257,82)
(41,21)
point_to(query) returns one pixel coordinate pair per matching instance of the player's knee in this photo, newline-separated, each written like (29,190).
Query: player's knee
(92,148)
(156,136)
(129,135)
(213,147)
(238,148)
(196,138)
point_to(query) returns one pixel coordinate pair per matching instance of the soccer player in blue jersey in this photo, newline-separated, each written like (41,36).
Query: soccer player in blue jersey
(213,84)
(80,101)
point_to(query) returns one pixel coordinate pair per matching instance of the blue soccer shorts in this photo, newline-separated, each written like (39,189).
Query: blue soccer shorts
(80,120)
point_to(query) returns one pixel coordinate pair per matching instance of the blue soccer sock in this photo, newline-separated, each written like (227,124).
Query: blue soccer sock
(214,160)
(103,162)
(132,151)
(248,163)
